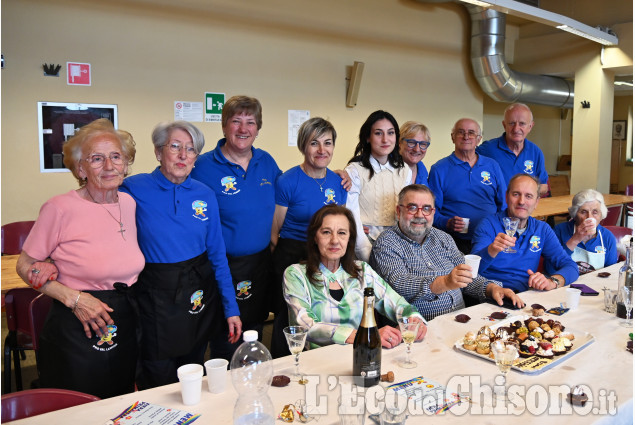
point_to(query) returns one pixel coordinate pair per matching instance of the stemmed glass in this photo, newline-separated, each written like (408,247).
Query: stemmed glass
(511,225)
(409,328)
(627,299)
(504,354)
(296,337)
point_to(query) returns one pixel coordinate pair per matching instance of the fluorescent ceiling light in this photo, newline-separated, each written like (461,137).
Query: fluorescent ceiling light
(535,14)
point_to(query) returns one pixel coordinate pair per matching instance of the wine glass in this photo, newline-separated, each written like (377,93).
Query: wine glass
(511,224)
(627,299)
(296,337)
(409,327)
(504,354)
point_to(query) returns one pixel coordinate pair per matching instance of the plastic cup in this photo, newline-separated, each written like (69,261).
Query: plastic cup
(191,378)
(610,296)
(351,414)
(216,370)
(573,298)
(466,222)
(393,416)
(595,224)
(473,261)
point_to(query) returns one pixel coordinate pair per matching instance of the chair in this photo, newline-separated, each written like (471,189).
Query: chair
(613,216)
(13,236)
(628,209)
(24,404)
(22,329)
(38,311)
(619,233)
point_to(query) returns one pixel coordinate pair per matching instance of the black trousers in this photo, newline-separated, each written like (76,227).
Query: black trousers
(288,252)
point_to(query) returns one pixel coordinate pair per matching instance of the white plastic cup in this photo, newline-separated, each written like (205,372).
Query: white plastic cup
(473,261)
(466,224)
(595,224)
(216,370)
(393,416)
(351,414)
(573,298)
(191,378)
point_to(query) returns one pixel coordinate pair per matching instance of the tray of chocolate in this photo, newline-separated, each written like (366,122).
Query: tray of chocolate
(541,343)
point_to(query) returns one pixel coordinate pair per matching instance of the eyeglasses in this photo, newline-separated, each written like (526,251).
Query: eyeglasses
(470,134)
(413,209)
(411,143)
(97,160)
(190,151)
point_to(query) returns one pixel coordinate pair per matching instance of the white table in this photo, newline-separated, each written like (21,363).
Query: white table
(605,366)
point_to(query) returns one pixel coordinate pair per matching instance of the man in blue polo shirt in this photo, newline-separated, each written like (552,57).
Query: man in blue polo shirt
(534,238)
(513,152)
(466,185)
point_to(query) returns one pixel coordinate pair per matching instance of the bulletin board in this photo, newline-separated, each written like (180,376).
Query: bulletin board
(58,121)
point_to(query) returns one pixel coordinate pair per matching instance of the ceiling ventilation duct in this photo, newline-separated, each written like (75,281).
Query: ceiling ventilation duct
(497,80)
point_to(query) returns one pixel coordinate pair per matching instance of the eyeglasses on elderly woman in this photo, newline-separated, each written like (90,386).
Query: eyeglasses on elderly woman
(98,160)
(412,143)
(190,151)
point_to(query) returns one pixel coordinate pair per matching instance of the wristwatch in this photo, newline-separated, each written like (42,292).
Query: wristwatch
(555,279)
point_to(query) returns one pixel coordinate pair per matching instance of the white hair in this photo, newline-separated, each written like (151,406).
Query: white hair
(588,195)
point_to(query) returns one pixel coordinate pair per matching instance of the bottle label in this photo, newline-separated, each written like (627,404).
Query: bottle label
(370,370)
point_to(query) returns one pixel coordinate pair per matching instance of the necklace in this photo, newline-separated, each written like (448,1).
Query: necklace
(315,180)
(121,229)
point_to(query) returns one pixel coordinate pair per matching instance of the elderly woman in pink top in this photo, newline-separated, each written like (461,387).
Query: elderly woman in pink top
(88,343)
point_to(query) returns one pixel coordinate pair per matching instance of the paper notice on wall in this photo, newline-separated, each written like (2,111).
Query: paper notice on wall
(188,111)
(296,118)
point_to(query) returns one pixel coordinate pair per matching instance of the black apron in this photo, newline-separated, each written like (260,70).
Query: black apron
(104,367)
(177,303)
(251,275)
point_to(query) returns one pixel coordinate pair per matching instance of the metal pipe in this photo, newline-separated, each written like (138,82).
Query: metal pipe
(497,80)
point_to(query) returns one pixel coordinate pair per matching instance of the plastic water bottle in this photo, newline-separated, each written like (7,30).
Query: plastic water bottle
(252,372)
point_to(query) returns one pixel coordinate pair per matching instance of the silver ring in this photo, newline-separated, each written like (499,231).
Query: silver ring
(35,271)
(390,339)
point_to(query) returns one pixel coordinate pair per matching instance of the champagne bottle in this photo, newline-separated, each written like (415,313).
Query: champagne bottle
(367,344)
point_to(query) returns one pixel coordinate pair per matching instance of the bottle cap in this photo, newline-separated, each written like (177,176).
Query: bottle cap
(250,336)
(369,292)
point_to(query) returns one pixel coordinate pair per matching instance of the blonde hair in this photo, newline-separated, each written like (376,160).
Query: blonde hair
(73,147)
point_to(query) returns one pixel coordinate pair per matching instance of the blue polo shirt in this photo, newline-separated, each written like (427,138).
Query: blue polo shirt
(511,269)
(422,174)
(179,222)
(530,160)
(303,196)
(564,231)
(472,192)
(246,199)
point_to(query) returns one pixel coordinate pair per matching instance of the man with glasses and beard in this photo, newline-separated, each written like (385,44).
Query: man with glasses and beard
(424,265)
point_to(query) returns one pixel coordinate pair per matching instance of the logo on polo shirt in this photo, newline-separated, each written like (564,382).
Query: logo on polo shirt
(107,339)
(200,207)
(330,196)
(600,250)
(242,289)
(534,244)
(229,183)
(485,175)
(529,167)
(197,302)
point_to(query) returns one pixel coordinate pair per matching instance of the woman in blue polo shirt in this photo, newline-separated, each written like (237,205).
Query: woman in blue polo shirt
(243,179)
(588,243)
(300,192)
(186,270)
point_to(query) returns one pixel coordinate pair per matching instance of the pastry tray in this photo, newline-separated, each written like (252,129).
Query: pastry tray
(534,364)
